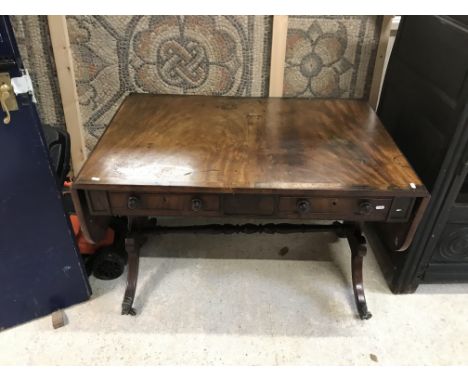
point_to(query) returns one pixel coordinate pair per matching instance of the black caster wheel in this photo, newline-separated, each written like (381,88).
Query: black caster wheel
(108,264)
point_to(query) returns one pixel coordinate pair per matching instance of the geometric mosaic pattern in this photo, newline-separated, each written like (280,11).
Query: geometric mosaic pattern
(330,56)
(116,55)
(32,37)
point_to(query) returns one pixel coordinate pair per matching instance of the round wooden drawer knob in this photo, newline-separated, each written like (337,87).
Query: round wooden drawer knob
(365,208)
(133,202)
(303,206)
(197,204)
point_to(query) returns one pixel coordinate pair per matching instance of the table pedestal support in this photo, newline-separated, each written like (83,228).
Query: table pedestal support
(352,231)
(357,244)
(133,243)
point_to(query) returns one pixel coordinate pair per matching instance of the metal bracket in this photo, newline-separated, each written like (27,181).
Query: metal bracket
(23,84)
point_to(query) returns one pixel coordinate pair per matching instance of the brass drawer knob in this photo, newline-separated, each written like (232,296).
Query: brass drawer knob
(133,202)
(303,206)
(197,204)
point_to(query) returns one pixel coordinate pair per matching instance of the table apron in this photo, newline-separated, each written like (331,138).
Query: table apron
(318,207)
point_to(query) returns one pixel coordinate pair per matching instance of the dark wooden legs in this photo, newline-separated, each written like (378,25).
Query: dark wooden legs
(357,243)
(352,231)
(133,243)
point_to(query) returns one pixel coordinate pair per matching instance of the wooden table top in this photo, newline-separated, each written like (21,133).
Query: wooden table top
(227,144)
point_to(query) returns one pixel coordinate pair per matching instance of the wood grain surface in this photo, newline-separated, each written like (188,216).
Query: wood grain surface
(227,144)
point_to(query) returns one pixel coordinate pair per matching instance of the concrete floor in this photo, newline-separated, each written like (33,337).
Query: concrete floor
(208,300)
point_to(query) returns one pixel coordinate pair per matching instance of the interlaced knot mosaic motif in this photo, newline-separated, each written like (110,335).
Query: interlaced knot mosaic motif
(184,63)
(213,55)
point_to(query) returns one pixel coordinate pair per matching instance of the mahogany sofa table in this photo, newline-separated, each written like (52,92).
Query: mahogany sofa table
(301,159)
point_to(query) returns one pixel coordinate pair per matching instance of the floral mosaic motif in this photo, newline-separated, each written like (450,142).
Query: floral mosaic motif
(325,56)
(319,58)
(213,55)
(91,64)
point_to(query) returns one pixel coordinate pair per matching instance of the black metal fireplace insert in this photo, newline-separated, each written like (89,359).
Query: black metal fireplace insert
(424,106)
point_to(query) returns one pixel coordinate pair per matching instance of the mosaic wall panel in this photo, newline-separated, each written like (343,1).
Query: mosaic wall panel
(115,55)
(331,56)
(327,56)
(32,36)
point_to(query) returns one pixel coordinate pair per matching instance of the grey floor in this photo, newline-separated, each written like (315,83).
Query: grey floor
(250,299)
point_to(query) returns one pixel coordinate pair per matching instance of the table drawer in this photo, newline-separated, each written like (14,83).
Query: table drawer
(163,204)
(334,208)
(286,207)
(249,205)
